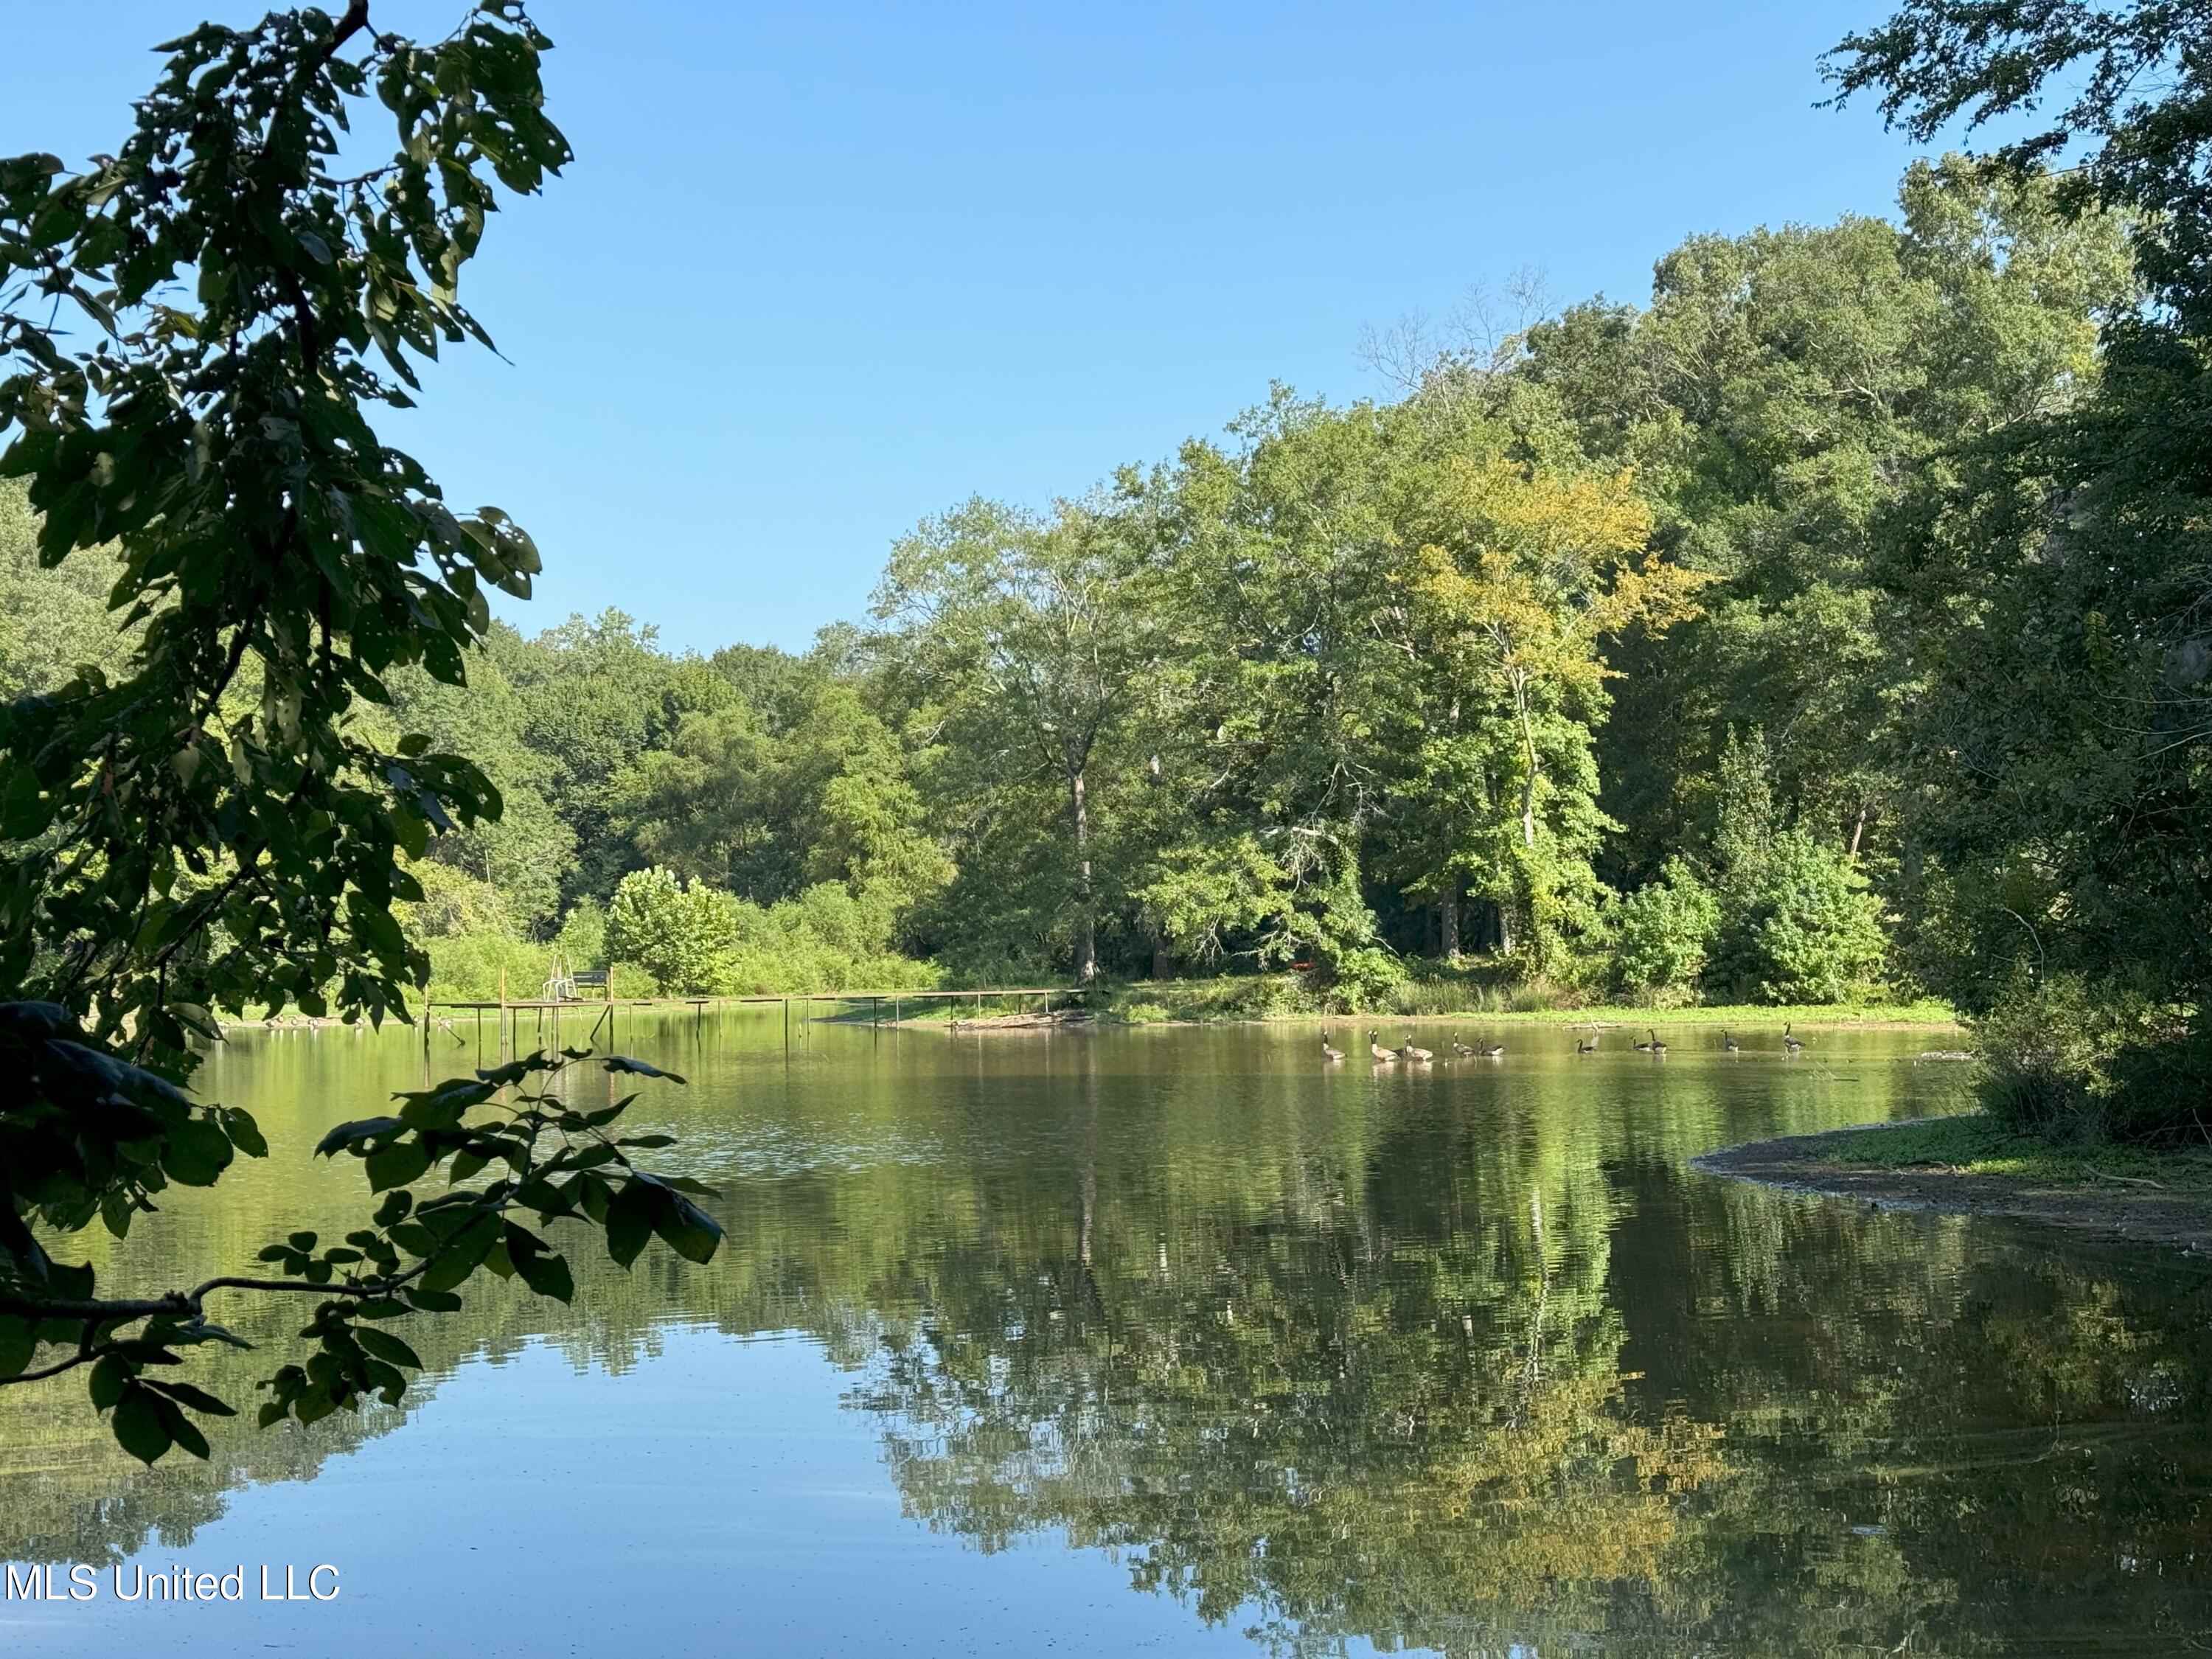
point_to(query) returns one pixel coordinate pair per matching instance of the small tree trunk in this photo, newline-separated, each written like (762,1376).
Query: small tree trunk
(1086,942)
(1520,681)
(1447,922)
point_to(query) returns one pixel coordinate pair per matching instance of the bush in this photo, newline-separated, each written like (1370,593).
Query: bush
(1818,929)
(695,940)
(673,929)
(1364,977)
(1799,925)
(467,968)
(2072,1062)
(1662,933)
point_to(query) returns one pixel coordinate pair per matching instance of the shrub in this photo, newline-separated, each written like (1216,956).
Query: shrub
(1365,978)
(467,968)
(1662,933)
(1818,929)
(1798,924)
(2069,1060)
(696,940)
(672,929)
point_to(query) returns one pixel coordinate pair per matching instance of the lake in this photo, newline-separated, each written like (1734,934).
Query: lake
(1176,1340)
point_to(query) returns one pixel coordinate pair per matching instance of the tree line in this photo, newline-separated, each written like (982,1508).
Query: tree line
(1596,659)
(1600,660)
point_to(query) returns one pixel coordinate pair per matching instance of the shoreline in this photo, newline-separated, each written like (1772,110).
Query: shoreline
(1809,1017)
(2138,1209)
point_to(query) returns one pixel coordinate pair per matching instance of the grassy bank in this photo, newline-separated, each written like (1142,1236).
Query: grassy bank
(1286,996)
(1978,1144)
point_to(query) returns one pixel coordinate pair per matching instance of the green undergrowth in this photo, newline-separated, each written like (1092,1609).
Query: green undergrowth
(1977,1143)
(1287,996)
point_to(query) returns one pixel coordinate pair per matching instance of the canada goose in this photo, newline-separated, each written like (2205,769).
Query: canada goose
(1793,1044)
(1730,1043)
(1382,1056)
(1492,1051)
(1586,1045)
(1461,1049)
(1644,1047)
(1654,1045)
(1407,1051)
(1328,1052)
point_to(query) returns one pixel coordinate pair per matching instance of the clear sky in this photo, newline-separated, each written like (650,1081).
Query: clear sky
(821,270)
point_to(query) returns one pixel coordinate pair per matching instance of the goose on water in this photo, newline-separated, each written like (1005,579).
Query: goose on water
(1407,1051)
(1382,1056)
(1793,1044)
(1461,1049)
(1730,1043)
(1654,1046)
(1492,1051)
(1328,1051)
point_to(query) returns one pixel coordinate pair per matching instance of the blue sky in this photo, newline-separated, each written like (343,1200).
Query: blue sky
(821,270)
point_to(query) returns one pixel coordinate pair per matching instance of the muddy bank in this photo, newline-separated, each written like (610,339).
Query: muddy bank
(2138,1210)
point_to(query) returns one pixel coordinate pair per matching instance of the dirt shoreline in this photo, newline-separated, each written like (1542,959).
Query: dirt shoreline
(2139,1214)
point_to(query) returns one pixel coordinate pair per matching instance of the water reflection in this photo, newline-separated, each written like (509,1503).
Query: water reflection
(1457,1359)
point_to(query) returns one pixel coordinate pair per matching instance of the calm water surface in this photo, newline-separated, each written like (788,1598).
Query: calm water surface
(1175,1341)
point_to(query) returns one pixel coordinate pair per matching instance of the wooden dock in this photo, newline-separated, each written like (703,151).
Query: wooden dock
(509,1012)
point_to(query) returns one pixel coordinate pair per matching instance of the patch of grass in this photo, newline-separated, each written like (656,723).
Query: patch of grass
(1975,1143)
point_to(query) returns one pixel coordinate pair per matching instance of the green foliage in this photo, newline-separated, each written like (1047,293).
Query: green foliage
(1808,928)
(694,939)
(2056,573)
(218,814)
(453,903)
(52,623)
(528,853)
(582,940)
(1028,645)
(1662,933)
(674,929)
(481,966)
(1779,394)
(728,799)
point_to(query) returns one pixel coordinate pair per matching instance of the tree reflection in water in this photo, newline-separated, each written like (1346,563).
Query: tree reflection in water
(1460,1363)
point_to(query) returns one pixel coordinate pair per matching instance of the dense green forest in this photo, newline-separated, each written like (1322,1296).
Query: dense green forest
(1589,664)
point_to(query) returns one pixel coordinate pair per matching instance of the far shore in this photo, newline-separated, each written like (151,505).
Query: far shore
(1969,1165)
(1132,1005)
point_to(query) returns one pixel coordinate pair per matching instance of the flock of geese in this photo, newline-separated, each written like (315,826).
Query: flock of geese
(1407,1054)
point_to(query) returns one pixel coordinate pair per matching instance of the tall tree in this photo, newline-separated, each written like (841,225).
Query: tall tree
(1775,396)
(1034,637)
(1394,625)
